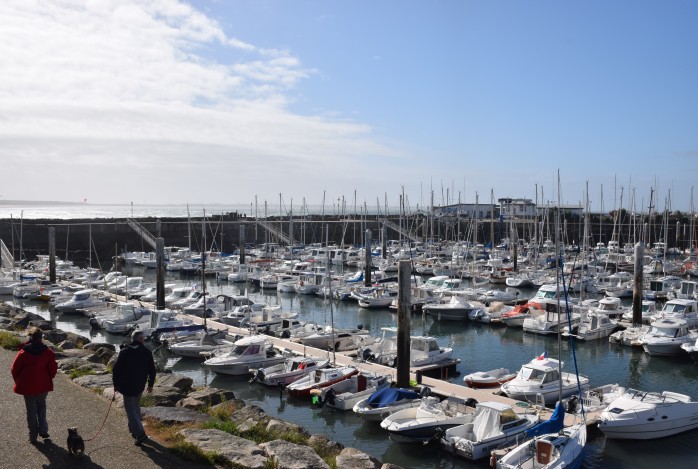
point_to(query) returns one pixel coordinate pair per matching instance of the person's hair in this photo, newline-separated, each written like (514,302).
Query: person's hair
(35,334)
(137,336)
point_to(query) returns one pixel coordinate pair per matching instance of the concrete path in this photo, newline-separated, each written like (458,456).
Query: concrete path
(70,405)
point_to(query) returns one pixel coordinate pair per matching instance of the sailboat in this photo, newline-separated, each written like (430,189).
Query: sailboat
(552,445)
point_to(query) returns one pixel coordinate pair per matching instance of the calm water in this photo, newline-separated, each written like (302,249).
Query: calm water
(480,347)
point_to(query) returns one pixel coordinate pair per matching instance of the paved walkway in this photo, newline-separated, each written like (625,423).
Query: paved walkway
(70,405)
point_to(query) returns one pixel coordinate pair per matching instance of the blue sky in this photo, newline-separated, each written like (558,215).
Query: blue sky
(158,101)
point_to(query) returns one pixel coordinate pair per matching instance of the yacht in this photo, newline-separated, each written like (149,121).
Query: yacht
(249,353)
(495,425)
(541,379)
(640,415)
(666,336)
(81,300)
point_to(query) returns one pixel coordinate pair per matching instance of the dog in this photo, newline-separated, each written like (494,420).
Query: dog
(76,445)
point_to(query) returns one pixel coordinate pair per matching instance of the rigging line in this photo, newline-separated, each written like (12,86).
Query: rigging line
(571,338)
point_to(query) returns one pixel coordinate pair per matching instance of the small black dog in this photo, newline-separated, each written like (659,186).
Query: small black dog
(75,442)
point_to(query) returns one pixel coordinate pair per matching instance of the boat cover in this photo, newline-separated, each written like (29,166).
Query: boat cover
(552,425)
(387,396)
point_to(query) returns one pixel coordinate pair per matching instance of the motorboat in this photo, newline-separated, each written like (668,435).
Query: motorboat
(425,350)
(386,401)
(456,309)
(495,425)
(648,310)
(611,307)
(345,394)
(81,300)
(680,308)
(319,379)
(383,351)
(594,399)
(549,445)
(339,340)
(490,314)
(166,324)
(488,379)
(295,329)
(289,371)
(640,415)
(377,298)
(249,353)
(205,344)
(517,315)
(126,317)
(551,322)
(691,348)
(666,336)
(592,326)
(541,379)
(629,336)
(422,424)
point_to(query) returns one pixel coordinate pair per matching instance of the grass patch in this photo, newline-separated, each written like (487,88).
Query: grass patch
(10,341)
(78,372)
(148,400)
(223,425)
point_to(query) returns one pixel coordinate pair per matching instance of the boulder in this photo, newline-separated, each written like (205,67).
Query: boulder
(94,381)
(21,321)
(212,396)
(288,455)
(279,427)
(249,416)
(390,466)
(237,451)
(321,441)
(166,396)
(94,346)
(67,345)
(228,407)
(174,415)
(101,355)
(191,403)
(352,458)
(174,380)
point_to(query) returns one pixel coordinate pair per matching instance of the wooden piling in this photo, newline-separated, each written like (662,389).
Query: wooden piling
(403,323)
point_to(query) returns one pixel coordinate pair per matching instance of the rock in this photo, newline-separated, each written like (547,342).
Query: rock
(249,416)
(94,381)
(212,396)
(101,355)
(279,427)
(174,415)
(288,455)
(67,345)
(42,324)
(166,396)
(22,321)
(94,346)
(174,380)
(237,451)
(390,466)
(226,409)
(191,403)
(321,441)
(352,458)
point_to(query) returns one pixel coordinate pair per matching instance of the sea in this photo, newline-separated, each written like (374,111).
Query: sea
(478,346)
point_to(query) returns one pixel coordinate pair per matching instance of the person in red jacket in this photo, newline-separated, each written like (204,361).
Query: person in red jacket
(33,371)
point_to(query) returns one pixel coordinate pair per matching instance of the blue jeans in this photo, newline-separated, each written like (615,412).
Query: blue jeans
(132,406)
(36,414)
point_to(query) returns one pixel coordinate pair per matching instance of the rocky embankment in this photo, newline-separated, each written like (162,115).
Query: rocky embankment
(210,420)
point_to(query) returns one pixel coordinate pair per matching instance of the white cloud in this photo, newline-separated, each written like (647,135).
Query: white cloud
(107,97)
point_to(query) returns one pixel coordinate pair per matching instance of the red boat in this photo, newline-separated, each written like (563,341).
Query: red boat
(320,379)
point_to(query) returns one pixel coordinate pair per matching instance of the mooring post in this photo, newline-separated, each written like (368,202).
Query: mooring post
(384,243)
(637,283)
(52,254)
(403,323)
(160,273)
(242,245)
(367,258)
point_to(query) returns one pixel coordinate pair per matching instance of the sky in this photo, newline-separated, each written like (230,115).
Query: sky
(236,101)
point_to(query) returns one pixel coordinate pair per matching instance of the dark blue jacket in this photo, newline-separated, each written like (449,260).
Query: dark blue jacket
(134,365)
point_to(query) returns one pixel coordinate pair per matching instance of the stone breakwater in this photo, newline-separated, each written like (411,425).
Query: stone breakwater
(195,413)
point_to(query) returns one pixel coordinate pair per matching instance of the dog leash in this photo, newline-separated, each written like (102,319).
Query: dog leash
(113,398)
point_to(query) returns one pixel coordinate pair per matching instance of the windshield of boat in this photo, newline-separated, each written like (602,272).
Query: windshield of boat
(664,331)
(674,308)
(531,374)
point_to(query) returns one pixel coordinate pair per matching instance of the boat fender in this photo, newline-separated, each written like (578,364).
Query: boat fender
(366,354)
(286,334)
(425,391)
(330,395)
(493,460)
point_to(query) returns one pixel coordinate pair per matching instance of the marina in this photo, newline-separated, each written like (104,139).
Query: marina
(476,346)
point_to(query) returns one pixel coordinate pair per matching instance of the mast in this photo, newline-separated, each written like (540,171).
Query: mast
(203,264)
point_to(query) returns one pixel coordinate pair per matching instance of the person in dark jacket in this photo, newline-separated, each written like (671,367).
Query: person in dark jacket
(134,367)
(33,370)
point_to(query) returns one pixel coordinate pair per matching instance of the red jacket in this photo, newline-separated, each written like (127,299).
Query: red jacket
(34,369)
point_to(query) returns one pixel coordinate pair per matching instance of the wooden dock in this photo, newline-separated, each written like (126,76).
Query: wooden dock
(421,375)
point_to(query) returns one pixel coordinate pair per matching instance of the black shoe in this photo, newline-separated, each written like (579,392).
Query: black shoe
(44,435)
(139,441)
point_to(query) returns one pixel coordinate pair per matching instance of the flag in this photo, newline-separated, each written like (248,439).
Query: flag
(543,355)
